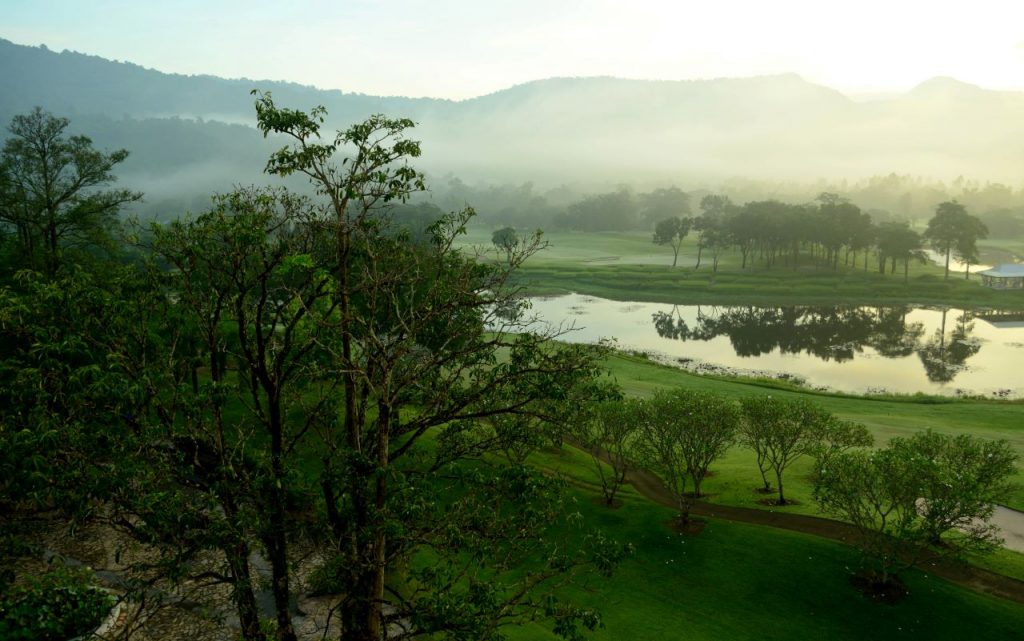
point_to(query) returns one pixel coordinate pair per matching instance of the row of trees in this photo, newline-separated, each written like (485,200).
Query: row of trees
(889,198)
(263,380)
(680,433)
(918,498)
(771,232)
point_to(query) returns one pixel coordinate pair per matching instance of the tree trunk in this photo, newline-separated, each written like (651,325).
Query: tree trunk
(374,623)
(700,250)
(948,249)
(276,539)
(764,475)
(778,479)
(242,594)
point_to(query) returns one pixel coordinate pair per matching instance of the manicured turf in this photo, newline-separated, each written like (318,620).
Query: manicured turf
(629,266)
(885,417)
(736,581)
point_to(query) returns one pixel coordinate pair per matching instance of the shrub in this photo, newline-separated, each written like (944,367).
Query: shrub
(56,606)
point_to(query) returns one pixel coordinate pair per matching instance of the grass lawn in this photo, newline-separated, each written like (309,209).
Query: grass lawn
(737,581)
(628,266)
(885,417)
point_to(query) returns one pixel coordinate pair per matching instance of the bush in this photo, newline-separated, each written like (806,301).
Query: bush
(59,605)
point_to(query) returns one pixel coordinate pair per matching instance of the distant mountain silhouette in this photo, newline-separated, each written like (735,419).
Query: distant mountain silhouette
(553,130)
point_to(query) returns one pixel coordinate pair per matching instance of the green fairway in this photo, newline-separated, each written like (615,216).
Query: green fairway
(736,581)
(628,266)
(886,417)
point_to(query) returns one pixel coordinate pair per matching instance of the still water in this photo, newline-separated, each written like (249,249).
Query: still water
(854,349)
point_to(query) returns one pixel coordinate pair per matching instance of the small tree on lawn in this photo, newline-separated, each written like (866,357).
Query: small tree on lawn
(712,424)
(671,232)
(506,239)
(781,431)
(838,436)
(760,415)
(659,449)
(960,480)
(606,434)
(903,499)
(682,433)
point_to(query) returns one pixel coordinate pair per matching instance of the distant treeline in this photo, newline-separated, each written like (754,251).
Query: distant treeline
(891,198)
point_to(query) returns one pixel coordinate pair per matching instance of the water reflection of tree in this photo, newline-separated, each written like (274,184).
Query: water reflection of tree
(894,337)
(829,333)
(945,356)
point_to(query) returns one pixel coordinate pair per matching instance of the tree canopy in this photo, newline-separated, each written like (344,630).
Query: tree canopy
(52,190)
(953,231)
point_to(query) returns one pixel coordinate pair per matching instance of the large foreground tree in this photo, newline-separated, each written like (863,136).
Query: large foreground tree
(425,340)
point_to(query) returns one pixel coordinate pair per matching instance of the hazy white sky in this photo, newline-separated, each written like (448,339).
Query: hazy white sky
(464,48)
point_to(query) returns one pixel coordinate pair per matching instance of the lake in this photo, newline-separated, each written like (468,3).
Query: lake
(854,349)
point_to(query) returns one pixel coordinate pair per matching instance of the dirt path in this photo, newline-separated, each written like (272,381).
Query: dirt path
(1011,523)
(651,487)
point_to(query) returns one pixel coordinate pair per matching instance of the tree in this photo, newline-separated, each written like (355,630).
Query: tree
(839,436)
(52,189)
(681,434)
(780,431)
(711,227)
(961,478)
(248,287)
(84,359)
(966,246)
(897,241)
(664,203)
(712,423)
(505,239)
(904,498)
(613,211)
(606,434)
(671,232)
(423,343)
(952,227)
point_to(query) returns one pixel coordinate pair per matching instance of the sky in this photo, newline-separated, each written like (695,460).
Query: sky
(463,48)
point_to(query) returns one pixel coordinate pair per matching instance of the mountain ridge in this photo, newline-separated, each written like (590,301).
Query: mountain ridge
(593,129)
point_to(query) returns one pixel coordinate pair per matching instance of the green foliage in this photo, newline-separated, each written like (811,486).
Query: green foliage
(614,211)
(607,431)
(953,230)
(56,606)
(505,239)
(906,497)
(50,190)
(681,432)
(780,431)
(671,232)
(419,338)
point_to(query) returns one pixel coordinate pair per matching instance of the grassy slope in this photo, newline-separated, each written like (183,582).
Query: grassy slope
(886,417)
(735,581)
